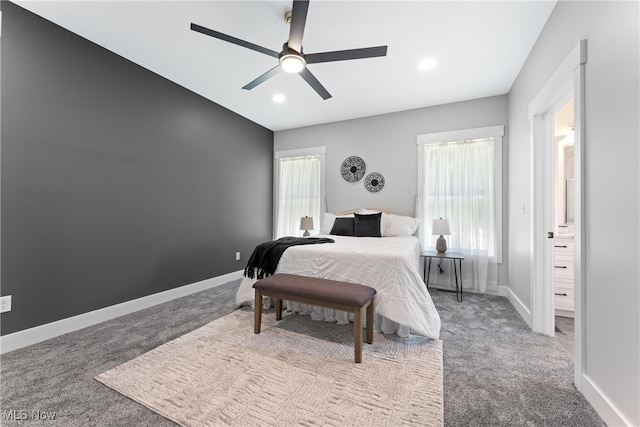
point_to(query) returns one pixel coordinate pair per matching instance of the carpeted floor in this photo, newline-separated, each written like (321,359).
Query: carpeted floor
(496,371)
(57,375)
(499,373)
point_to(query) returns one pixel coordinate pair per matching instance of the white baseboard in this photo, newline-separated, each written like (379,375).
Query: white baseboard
(609,413)
(47,331)
(522,309)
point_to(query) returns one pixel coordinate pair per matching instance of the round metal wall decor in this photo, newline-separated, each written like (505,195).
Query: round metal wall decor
(353,169)
(374,182)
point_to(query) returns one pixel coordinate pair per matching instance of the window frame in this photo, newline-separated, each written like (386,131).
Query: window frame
(319,151)
(495,132)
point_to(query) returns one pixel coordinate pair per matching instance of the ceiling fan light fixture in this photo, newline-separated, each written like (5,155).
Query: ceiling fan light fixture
(292,63)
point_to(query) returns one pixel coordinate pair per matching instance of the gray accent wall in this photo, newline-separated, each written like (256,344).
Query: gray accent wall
(116,183)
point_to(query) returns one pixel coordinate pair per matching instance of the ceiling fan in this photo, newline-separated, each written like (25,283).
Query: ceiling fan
(291,58)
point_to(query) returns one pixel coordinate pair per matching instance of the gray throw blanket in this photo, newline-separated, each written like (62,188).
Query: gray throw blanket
(265,256)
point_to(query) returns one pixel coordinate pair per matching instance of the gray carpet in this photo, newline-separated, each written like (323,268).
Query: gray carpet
(499,373)
(57,375)
(496,371)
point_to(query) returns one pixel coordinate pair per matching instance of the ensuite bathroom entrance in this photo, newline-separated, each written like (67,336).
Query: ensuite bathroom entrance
(564,249)
(557,116)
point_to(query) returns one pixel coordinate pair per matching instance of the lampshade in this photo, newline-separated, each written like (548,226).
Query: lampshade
(306,224)
(292,63)
(441,227)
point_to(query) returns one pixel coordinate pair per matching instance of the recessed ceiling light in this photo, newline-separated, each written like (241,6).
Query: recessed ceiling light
(279,98)
(427,64)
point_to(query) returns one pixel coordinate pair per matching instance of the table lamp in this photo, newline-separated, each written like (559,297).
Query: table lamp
(306,224)
(441,228)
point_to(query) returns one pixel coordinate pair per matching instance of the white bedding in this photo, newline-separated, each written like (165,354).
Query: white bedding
(389,264)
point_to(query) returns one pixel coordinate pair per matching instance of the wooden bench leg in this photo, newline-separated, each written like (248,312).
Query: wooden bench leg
(257,315)
(278,308)
(370,313)
(357,333)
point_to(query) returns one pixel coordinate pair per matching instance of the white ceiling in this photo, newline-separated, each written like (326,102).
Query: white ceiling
(479,46)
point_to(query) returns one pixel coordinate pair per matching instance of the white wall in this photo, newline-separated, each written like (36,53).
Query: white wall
(612,188)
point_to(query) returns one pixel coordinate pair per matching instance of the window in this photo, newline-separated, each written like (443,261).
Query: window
(298,189)
(460,178)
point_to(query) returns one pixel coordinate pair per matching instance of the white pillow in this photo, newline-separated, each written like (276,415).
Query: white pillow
(392,225)
(399,225)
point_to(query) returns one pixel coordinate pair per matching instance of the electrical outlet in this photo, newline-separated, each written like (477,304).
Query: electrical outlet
(5,303)
(237,256)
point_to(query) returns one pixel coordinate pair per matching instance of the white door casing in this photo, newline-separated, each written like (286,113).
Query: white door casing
(566,82)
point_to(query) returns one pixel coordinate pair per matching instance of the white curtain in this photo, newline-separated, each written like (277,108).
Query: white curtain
(299,194)
(459,185)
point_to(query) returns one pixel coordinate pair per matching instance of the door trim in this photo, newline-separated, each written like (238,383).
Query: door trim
(567,80)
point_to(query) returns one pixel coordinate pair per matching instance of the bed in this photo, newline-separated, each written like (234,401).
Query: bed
(390,264)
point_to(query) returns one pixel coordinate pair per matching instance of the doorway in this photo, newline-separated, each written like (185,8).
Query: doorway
(566,83)
(564,222)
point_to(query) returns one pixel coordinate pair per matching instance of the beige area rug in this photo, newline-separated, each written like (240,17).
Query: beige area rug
(295,372)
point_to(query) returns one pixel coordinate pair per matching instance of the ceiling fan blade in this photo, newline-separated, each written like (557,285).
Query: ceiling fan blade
(343,55)
(234,40)
(315,84)
(266,76)
(298,20)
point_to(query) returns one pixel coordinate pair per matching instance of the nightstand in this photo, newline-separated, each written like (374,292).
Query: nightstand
(454,256)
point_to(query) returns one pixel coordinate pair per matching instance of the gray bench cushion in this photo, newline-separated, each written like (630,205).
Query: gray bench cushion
(331,291)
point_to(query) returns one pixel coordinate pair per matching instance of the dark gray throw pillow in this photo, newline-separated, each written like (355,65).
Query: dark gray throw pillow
(367,225)
(343,227)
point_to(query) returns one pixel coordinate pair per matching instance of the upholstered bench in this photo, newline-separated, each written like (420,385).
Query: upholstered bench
(321,292)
